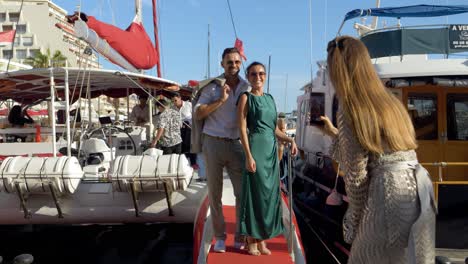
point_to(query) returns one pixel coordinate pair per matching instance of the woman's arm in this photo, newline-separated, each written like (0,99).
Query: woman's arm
(283,137)
(242,109)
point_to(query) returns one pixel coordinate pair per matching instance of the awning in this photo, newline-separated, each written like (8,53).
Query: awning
(28,86)
(409,11)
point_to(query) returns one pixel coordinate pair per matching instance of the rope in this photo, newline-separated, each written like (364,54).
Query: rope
(112,11)
(14,36)
(150,96)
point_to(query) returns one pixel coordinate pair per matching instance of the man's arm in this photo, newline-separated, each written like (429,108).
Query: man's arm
(158,136)
(204,110)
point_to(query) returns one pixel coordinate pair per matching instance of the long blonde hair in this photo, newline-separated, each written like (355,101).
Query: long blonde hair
(377,116)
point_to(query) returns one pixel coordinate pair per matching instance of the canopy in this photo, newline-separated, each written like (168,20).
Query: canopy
(42,112)
(28,86)
(409,11)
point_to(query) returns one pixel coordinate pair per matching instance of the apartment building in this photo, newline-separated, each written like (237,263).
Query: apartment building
(41,25)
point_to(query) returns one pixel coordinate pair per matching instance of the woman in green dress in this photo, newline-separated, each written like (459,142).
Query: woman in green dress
(260,216)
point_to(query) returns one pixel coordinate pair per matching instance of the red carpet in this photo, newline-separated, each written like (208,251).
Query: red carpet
(278,247)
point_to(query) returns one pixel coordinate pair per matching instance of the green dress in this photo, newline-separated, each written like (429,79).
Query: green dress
(260,200)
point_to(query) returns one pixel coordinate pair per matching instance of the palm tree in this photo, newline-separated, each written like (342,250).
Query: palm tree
(41,60)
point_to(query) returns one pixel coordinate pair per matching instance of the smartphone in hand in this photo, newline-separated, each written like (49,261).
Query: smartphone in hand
(317,108)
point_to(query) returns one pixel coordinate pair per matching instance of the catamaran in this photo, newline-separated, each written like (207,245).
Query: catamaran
(86,175)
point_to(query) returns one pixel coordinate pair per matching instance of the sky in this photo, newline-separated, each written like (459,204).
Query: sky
(277,28)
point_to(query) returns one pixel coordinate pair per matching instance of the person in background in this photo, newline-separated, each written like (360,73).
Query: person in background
(18,117)
(260,212)
(281,123)
(221,147)
(391,212)
(140,113)
(185,110)
(167,129)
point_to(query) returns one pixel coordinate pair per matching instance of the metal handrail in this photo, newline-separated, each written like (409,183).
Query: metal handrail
(396,27)
(290,198)
(443,164)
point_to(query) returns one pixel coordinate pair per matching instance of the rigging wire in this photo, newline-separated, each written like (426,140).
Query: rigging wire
(14,36)
(311,45)
(325,33)
(234,27)
(109,2)
(232,18)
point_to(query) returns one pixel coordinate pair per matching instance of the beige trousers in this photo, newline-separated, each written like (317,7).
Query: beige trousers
(219,154)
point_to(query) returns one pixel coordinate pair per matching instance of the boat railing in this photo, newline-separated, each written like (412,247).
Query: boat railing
(442,165)
(397,27)
(292,230)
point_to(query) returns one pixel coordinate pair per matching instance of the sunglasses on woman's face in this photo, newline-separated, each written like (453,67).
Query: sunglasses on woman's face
(253,74)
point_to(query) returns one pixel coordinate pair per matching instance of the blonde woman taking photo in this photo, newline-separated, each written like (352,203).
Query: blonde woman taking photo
(391,212)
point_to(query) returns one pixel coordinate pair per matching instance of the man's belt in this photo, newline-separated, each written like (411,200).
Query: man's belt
(222,138)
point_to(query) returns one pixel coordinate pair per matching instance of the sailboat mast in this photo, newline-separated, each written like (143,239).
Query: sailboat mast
(156,38)
(138,12)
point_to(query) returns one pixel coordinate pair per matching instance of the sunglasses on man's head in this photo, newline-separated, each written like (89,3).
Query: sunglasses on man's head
(253,74)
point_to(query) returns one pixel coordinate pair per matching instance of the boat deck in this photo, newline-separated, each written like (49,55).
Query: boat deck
(278,246)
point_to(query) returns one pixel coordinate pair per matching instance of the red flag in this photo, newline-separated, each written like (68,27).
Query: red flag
(193,83)
(6,37)
(240,46)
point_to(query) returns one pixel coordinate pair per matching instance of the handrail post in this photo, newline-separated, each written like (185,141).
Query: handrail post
(52,112)
(440,172)
(290,198)
(67,110)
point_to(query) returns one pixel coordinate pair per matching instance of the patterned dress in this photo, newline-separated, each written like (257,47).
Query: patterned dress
(391,211)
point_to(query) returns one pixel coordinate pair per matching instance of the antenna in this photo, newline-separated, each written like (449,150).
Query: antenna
(208,65)
(268,79)
(375,20)
(311,45)
(285,93)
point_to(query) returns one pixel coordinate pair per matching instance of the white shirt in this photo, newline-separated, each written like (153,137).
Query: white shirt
(223,121)
(185,112)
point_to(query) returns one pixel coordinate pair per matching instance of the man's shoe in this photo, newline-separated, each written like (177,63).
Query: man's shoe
(219,246)
(239,245)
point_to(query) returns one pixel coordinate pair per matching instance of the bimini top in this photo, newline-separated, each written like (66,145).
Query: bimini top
(28,86)
(409,11)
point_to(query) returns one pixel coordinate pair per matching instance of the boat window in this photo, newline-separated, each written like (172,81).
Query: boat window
(457,116)
(422,109)
(2,17)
